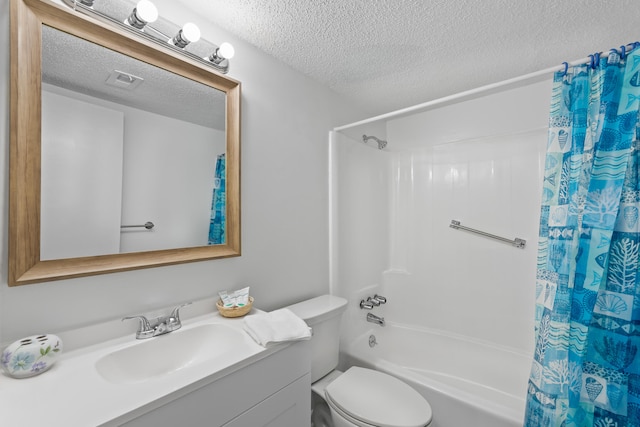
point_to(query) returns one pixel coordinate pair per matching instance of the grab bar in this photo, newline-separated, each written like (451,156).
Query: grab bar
(517,242)
(148,225)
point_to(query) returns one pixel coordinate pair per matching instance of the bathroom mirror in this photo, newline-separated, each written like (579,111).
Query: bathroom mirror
(148,126)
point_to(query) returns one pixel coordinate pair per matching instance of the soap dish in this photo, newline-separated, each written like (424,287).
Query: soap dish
(234,311)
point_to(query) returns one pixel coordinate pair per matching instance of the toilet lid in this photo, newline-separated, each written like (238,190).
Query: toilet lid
(378,399)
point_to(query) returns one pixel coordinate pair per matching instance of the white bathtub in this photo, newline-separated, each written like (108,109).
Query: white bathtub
(467,383)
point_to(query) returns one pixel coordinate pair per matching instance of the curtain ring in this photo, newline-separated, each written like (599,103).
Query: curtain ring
(591,62)
(566,69)
(596,60)
(623,52)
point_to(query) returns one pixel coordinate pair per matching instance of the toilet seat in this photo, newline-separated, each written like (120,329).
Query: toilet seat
(372,398)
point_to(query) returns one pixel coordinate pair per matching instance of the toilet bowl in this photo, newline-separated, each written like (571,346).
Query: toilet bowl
(359,397)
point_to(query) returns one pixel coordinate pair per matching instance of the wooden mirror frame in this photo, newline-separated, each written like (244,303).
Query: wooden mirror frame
(25,266)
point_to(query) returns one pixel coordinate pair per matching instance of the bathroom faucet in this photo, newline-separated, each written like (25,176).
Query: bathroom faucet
(159,325)
(373,302)
(375,319)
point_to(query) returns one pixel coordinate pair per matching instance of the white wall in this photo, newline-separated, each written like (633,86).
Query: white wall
(480,162)
(157,155)
(81,170)
(285,119)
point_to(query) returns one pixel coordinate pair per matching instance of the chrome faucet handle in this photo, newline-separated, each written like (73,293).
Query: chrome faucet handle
(144,322)
(173,321)
(373,301)
(144,328)
(366,305)
(175,314)
(380,299)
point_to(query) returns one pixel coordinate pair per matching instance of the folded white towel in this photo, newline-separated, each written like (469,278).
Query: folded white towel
(276,326)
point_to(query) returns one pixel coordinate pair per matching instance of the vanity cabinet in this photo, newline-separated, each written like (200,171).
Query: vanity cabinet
(289,407)
(274,391)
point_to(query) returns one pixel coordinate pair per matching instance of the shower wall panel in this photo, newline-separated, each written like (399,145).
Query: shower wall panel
(479,162)
(360,220)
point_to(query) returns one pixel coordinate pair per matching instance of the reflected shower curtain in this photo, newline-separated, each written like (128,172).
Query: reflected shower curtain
(586,368)
(218,204)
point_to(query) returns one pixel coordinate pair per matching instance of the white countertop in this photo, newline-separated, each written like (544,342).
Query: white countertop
(72,393)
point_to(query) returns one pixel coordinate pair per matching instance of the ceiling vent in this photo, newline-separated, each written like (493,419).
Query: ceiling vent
(124,80)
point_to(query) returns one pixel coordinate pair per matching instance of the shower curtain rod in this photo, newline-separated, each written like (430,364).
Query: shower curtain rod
(481,89)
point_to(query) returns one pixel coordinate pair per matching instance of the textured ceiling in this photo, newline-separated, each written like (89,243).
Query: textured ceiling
(391,54)
(160,92)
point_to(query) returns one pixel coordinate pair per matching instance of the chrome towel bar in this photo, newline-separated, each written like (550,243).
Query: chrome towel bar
(518,243)
(148,225)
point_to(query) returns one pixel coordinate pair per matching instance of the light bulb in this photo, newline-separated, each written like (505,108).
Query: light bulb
(142,14)
(146,11)
(222,53)
(191,32)
(226,50)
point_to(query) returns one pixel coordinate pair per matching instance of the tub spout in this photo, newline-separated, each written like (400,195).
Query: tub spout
(375,319)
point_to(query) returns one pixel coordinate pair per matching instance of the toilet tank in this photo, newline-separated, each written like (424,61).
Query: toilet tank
(323,315)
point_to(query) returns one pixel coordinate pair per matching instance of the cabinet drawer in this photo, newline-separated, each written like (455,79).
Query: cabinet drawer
(290,407)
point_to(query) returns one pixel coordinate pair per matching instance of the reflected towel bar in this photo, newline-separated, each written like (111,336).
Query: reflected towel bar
(518,243)
(148,225)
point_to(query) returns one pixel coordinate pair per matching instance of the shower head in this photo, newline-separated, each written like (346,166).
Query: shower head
(381,143)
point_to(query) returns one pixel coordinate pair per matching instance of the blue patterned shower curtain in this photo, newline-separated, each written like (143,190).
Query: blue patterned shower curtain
(586,368)
(218,204)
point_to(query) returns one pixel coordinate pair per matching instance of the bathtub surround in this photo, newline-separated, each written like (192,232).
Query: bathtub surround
(478,161)
(585,369)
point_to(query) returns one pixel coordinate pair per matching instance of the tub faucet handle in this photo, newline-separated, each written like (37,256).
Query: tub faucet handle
(373,301)
(366,305)
(380,299)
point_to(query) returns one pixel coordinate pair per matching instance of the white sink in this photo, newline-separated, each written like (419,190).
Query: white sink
(216,344)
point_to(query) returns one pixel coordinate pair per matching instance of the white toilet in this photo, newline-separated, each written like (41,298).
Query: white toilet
(358,397)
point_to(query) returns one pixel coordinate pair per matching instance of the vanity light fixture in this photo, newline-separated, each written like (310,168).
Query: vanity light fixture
(225,51)
(138,22)
(144,13)
(189,33)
